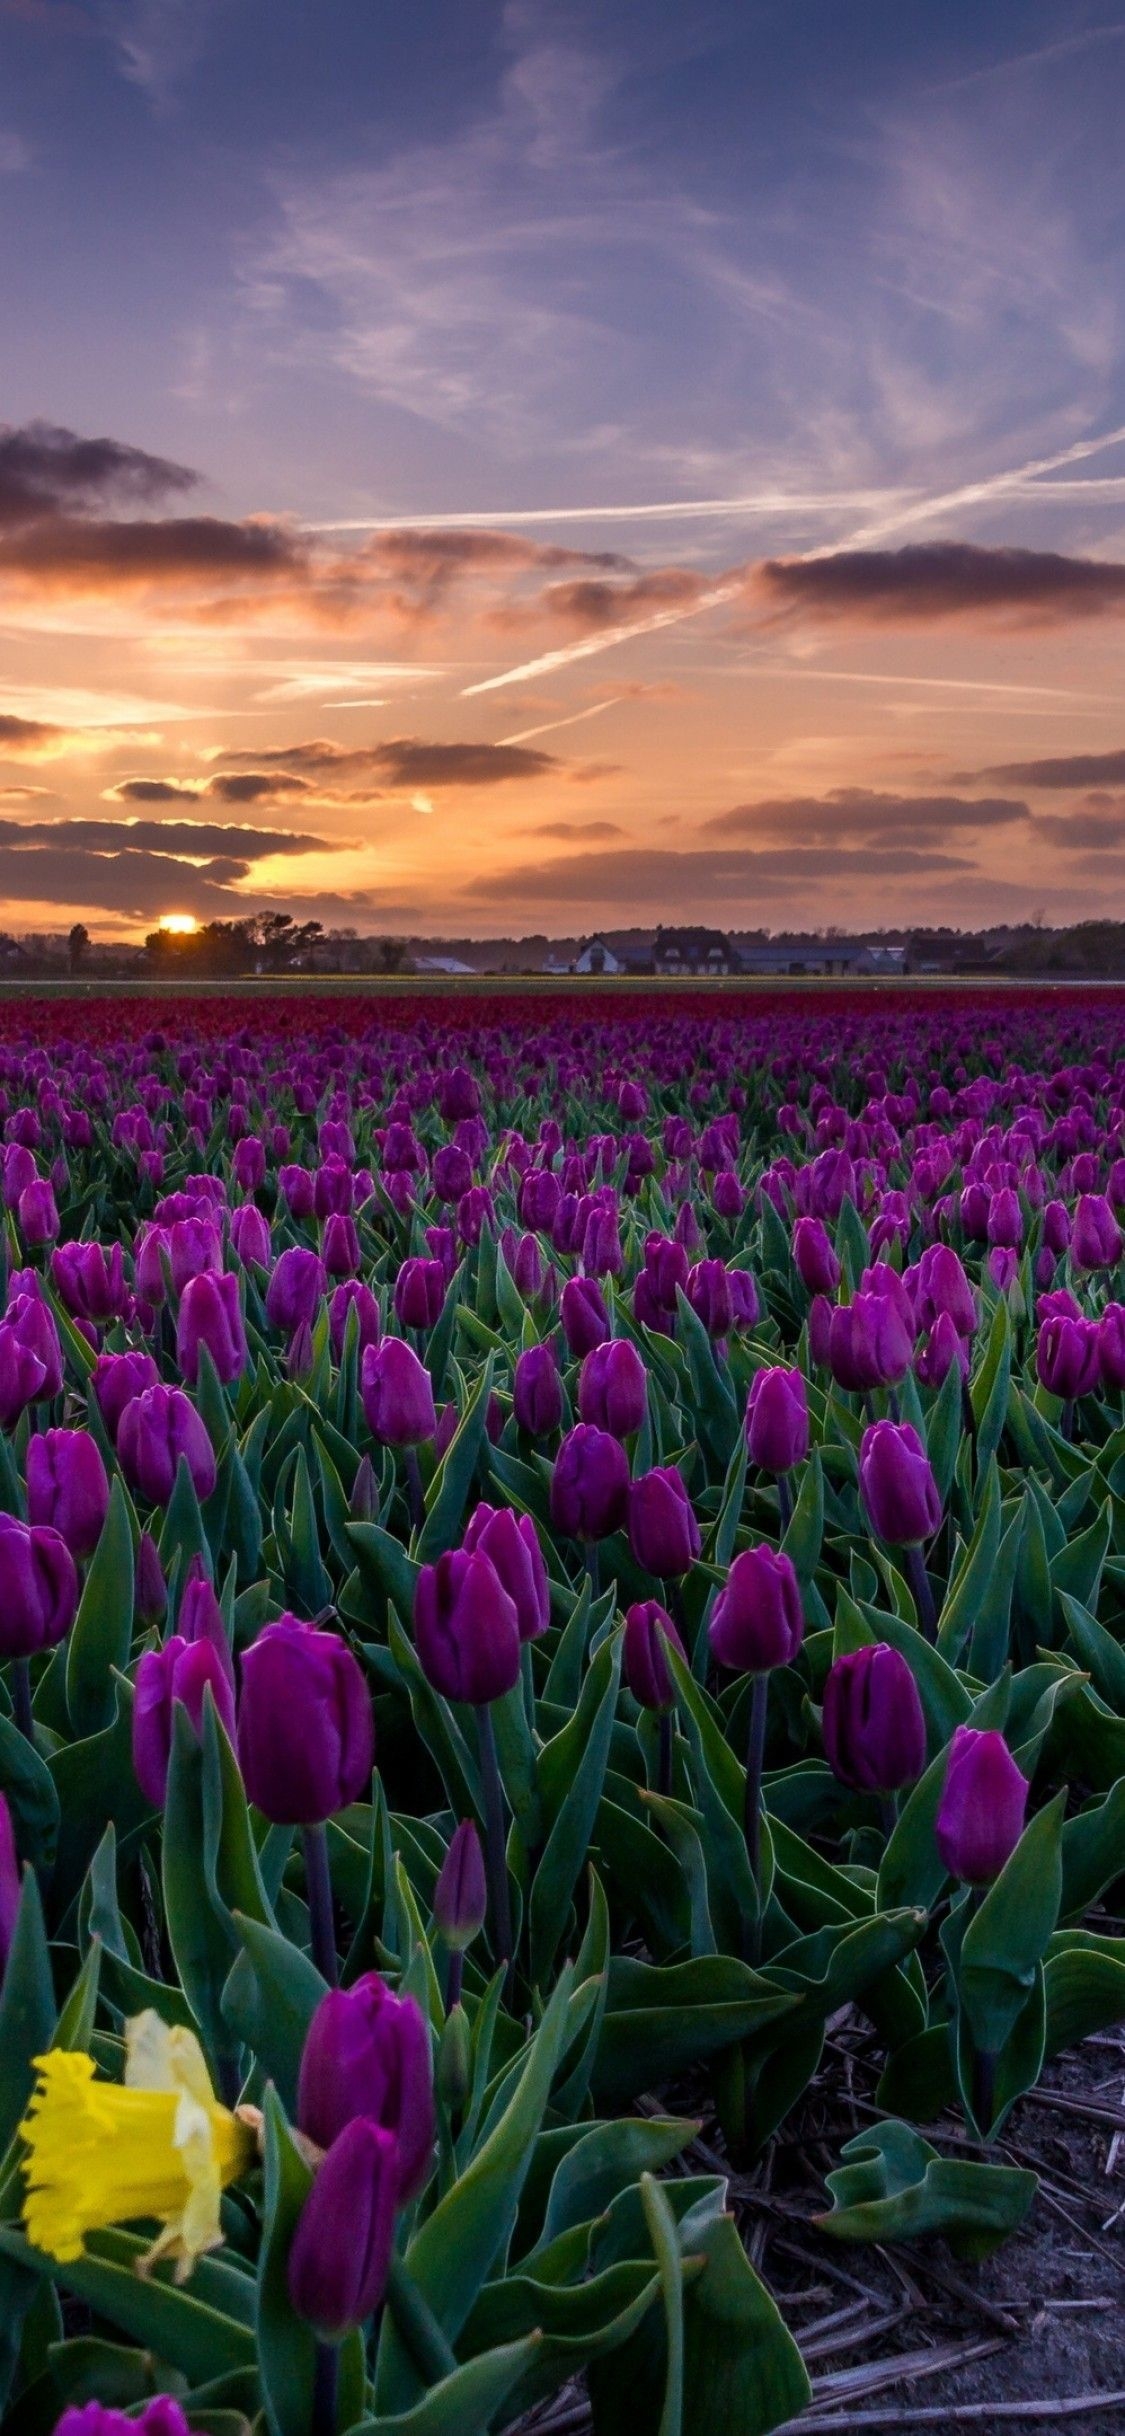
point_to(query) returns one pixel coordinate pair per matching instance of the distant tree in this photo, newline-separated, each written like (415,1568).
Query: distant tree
(392,955)
(78,940)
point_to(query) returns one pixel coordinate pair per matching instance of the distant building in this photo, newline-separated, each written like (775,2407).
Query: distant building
(693,951)
(441,964)
(596,956)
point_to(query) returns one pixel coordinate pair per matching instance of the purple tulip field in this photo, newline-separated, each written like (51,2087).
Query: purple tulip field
(552,1551)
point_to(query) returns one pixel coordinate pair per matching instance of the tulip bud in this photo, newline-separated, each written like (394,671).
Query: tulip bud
(160,2417)
(367,2052)
(33,1325)
(648,1626)
(1111,1346)
(340,2255)
(306,1735)
(511,1543)
(38,1588)
(537,1396)
(346,1297)
(874,1729)
(466,1628)
(455,2061)
(461,1893)
(757,1621)
(155,1430)
(67,1486)
(941,1349)
(981,1813)
(589,1484)
(943,1288)
(613,1388)
(150,1590)
(869,1343)
(585,1319)
(397,1394)
(777,1419)
(663,1532)
(250,1235)
(898,1488)
(23,1376)
(180,1670)
(708,1292)
(37,1212)
(1096,1242)
(419,1293)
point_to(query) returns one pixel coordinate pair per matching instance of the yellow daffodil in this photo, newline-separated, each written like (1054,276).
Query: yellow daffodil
(162,2146)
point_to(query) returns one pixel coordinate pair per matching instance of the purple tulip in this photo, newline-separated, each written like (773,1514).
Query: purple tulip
(648,1627)
(295,1289)
(23,1376)
(757,1621)
(940,1351)
(340,1245)
(37,1212)
(115,1379)
(38,1588)
(180,1670)
(67,1486)
(210,1314)
(814,1258)
(160,2417)
(589,1484)
(367,2052)
(943,1288)
(341,1301)
(150,1590)
(419,1293)
(466,1628)
(33,1325)
(511,1543)
(156,1430)
(613,1388)
(869,1343)
(777,1419)
(1096,1242)
(90,1280)
(306,1734)
(537,1396)
(340,2255)
(900,1494)
(397,1394)
(708,1292)
(874,1729)
(250,1235)
(461,1893)
(585,1319)
(1111,1346)
(1068,1356)
(981,1813)
(663,1532)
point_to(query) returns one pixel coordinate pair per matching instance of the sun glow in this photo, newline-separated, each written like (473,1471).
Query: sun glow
(179,926)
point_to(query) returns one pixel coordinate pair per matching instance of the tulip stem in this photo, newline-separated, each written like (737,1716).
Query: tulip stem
(414,1490)
(318,1887)
(417,2327)
(496,1859)
(326,2389)
(888,1814)
(1066,1419)
(919,1582)
(593,1567)
(21,1698)
(784,1503)
(984,2091)
(664,1760)
(453,1978)
(752,1814)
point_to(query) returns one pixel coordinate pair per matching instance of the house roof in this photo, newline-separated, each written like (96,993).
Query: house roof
(691,943)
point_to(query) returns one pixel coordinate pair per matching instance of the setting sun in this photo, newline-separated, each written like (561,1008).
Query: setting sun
(180,926)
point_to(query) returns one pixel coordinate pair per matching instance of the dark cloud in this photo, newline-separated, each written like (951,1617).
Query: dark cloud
(44,467)
(416,570)
(256,786)
(199,839)
(405,761)
(589,605)
(588,830)
(925,582)
(1096,825)
(1068,770)
(133,884)
(31,739)
(714,883)
(862,814)
(96,554)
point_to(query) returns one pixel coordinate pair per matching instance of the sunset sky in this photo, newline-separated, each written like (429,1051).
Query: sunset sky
(478,468)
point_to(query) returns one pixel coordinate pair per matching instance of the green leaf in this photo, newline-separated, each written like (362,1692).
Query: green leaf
(662,2019)
(445,1502)
(466,2403)
(966,1591)
(573,1767)
(988,1391)
(101,1635)
(898,2187)
(177,2324)
(1084,1979)
(1007,1937)
(269,1999)
(664,2235)
(27,2007)
(28,1785)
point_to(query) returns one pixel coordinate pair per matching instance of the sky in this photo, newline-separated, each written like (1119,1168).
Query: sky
(511,465)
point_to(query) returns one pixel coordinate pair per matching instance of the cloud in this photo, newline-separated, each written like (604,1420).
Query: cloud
(590,830)
(42,739)
(588,605)
(862,815)
(713,884)
(1063,770)
(45,467)
(196,840)
(1097,826)
(405,761)
(927,582)
(132,883)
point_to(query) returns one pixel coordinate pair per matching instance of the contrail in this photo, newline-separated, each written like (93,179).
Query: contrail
(549,725)
(970,494)
(593,643)
(748,503)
